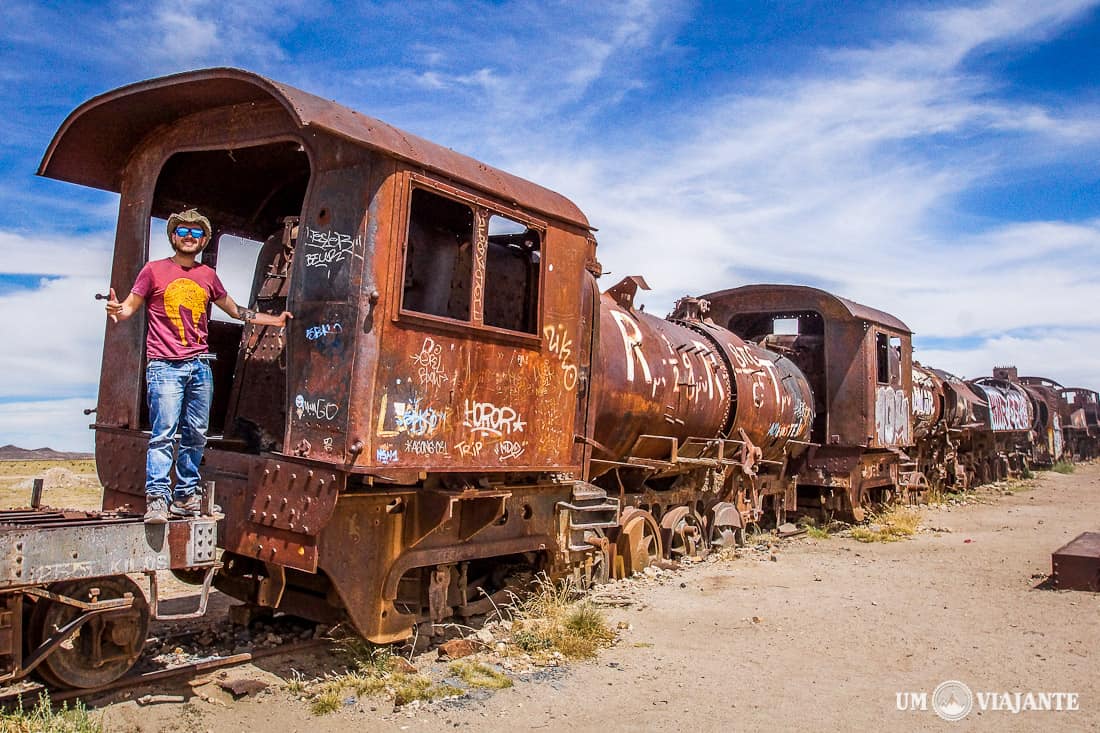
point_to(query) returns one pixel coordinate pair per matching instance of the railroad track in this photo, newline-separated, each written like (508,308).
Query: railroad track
(9,699)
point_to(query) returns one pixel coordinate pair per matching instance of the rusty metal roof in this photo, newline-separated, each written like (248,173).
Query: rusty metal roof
(93,144)
(798,297)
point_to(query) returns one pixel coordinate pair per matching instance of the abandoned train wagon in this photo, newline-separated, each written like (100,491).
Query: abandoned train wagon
(425,411)
(858,361)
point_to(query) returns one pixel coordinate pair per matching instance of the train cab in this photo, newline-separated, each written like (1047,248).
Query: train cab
(433,384)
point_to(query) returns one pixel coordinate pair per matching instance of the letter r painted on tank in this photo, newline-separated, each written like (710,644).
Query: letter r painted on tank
(632,342)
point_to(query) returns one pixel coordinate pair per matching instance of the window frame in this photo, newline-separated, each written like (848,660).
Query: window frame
(475,326)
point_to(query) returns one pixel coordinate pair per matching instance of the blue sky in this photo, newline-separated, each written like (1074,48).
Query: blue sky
(937,160)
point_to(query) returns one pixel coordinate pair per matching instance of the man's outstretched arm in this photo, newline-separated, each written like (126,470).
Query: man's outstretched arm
(248,315)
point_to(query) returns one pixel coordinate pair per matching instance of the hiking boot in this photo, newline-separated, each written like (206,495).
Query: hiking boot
(187,507)
(156,510)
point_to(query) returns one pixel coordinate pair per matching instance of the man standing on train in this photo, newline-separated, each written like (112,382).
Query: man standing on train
(176,293)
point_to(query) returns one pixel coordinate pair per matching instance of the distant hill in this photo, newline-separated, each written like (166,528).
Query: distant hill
(15,453)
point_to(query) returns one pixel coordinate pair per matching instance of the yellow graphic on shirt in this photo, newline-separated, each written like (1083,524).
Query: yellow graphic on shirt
(184,293)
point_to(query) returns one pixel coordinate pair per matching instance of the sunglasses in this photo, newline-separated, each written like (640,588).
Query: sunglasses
(196,232)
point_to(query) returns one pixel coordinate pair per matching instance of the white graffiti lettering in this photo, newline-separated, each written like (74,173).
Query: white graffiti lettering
(632,342)
(508,450)
(924,403)
(137,564)
(429,363)
(319,408)
(327,248)
(892,416)
(1007,411)
(486,419)
(426,447)
(385,454)
(470,449)
(714,382)
(561,346)
(762,372)
(775,430)
(418,421)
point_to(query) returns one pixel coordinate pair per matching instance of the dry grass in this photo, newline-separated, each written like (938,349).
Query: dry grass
(1017,485)
(371,675)
(477,674)
(43,718)
(364,657)
(69,484)
(409,687)
(328,696)
(756,535)
(822,531)
(1064,467)
(556,619)
(889,526)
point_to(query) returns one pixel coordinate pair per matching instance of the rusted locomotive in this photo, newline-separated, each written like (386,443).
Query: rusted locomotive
(1082,428)
(858,363)
(456,403)
(992,428)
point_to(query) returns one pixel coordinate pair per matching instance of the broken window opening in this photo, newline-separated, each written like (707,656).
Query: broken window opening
(888,359)
(882,353)
(439,256)
(512,264)
(785,326)
(895,361)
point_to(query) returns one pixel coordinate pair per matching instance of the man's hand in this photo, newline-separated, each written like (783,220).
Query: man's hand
(114,308)
(269,319)
(117,311)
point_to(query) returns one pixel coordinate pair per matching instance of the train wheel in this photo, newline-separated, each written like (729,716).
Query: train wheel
(724,526)
(596,569)
(686,533)
(639,542)
(105,647)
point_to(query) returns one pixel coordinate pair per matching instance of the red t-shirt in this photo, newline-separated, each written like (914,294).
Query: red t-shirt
(176,300)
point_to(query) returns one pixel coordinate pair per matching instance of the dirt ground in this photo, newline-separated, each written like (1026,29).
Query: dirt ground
(822,638)
(66,484)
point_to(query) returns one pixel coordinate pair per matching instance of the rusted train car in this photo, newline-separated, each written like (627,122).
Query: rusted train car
(991,428)
(455,403)
(945,410)
(1082,429)
(1050,412)
(858,361)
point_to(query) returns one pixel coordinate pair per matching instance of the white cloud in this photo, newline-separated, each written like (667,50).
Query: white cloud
(1067,356)
(54,338)
(53,254)
(171,35)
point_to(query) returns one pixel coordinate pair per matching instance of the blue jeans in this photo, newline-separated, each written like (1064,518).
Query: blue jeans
(179,394)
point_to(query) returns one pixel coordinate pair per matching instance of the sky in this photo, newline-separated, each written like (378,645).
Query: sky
(935,160)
